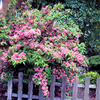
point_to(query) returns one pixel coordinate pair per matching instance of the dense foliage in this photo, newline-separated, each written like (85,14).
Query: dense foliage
(94,63)
(87,15)
(94,60)
(38,43)
(93,77)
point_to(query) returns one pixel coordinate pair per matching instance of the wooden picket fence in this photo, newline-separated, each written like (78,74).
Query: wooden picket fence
(30,95)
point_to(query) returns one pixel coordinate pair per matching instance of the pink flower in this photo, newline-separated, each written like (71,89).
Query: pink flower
(23,3)
(78,81)
(58,78)
(18,46)
(60,75)
(21,34)
(59,9)
(45,84)
(39,73)
(41,70)
(35,76)
(16,36)
(25,7)
(36,69)
(29,13)
(41,76)
(40,83)
(11,42)
(45,11)
(22,54)
(72,64)
(40,79)
(67,63)
(31,45)
(26,34)
(41,17)
(13,57)
(41,23)
(43,88)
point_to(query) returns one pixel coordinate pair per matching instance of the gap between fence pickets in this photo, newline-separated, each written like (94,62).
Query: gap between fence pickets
(37,97)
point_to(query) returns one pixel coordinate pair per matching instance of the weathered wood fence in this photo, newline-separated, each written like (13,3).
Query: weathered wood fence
(30,95)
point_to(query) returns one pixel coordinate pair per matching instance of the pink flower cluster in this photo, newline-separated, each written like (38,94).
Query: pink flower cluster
(17,57)
(4,57)
(45,10)
(59,72)
(40,79)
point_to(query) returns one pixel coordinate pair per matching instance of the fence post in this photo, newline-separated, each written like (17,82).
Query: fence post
(86,92)
(75,89)
(20,85)
(98,89)
(40,93)
(30,87)
(52,87)
(63,89)
(9,91)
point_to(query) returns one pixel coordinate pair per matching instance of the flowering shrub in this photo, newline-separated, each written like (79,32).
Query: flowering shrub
(36,43)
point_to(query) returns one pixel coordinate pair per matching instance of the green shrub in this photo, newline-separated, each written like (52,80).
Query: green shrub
(93,77)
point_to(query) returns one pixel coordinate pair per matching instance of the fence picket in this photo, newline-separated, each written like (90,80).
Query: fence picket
(98,89)
(9,91)
(30,87)
(20,85)
(63,89)
(75,89)
(86,92)
(52,87)
(40,93)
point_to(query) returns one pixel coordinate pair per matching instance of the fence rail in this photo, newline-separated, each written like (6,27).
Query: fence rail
(30,95)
